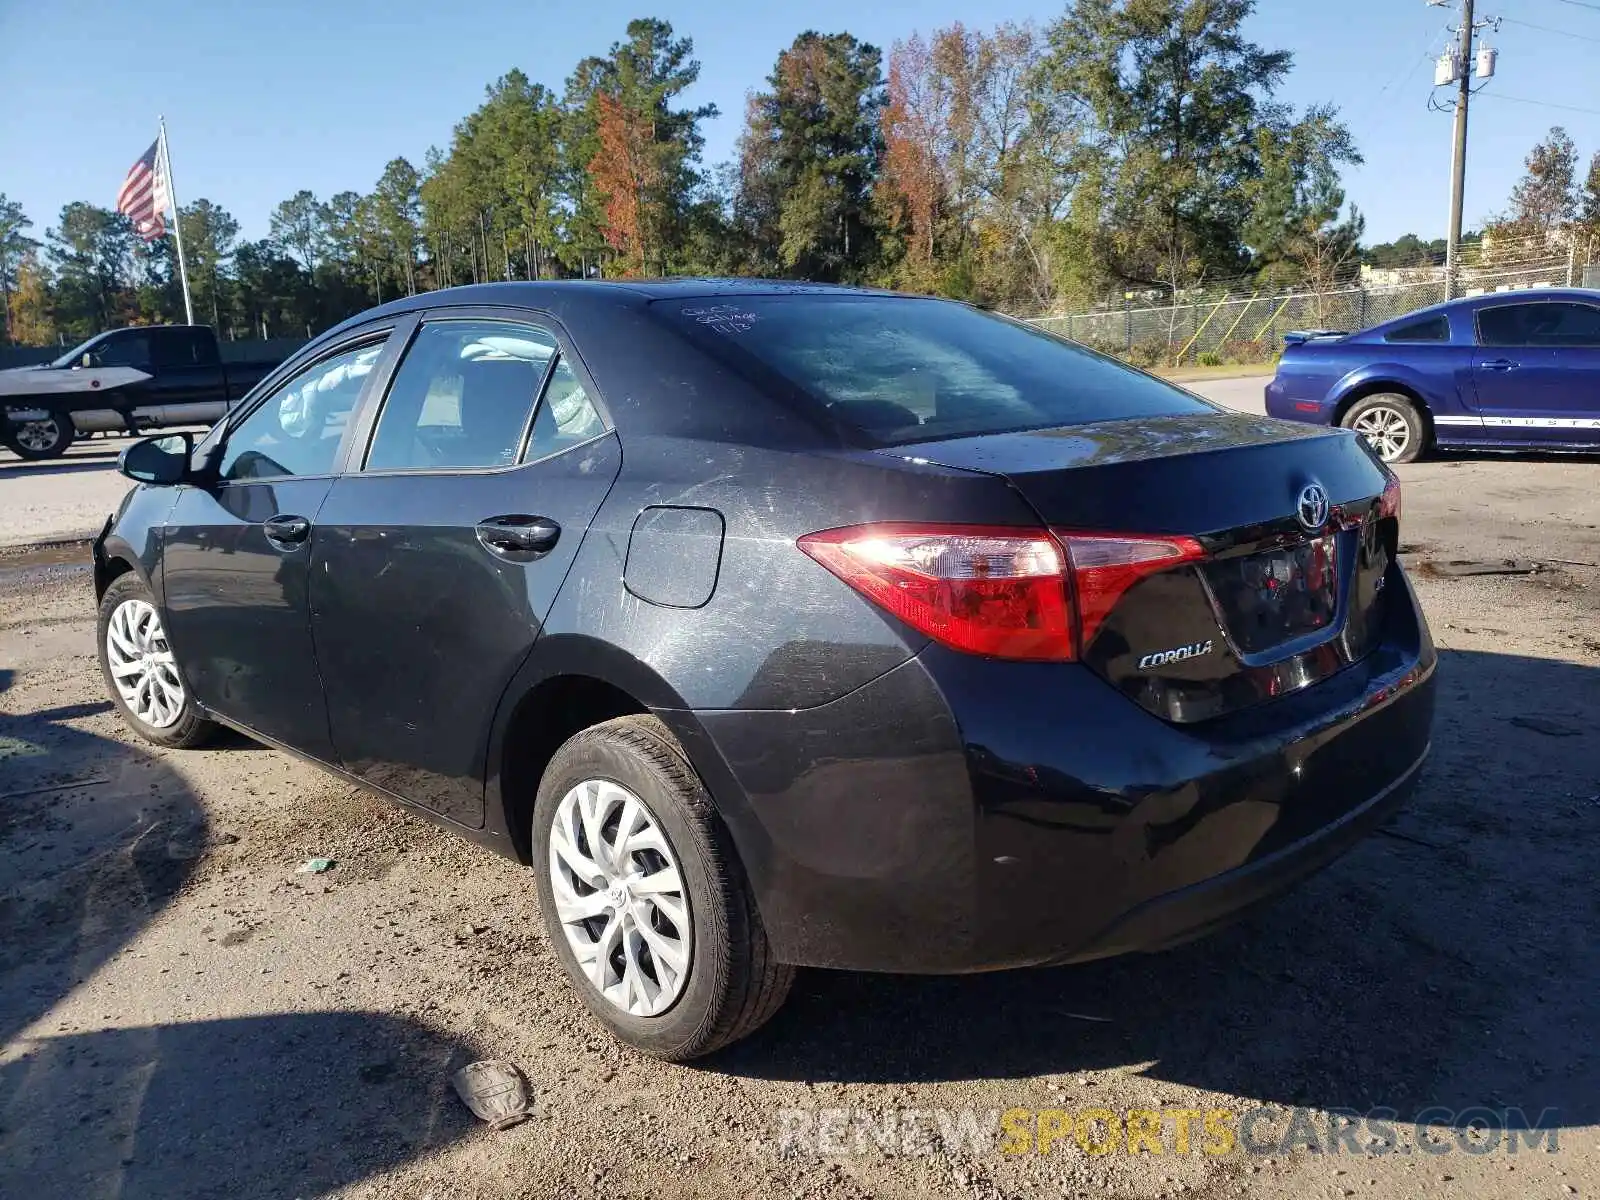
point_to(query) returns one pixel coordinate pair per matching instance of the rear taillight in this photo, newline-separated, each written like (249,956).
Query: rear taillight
(1002,592)
(1106,566)
(1389,502)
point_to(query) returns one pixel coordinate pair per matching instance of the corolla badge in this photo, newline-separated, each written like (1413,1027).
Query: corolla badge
(1312,507)
(1161,658)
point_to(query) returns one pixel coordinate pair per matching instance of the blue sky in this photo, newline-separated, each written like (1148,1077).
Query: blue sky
(265,98)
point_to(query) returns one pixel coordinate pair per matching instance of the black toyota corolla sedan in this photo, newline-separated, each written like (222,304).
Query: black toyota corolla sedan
(780,625)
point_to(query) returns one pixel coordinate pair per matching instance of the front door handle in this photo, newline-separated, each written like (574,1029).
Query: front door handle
(286,532)
(519,537)
(1500,364)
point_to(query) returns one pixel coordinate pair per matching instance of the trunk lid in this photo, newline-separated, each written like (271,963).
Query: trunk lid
(1277,603)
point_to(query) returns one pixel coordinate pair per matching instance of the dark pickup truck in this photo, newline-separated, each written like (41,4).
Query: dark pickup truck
(143,377)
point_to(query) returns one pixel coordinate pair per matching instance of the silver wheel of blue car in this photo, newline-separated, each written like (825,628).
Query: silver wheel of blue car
(1391,425)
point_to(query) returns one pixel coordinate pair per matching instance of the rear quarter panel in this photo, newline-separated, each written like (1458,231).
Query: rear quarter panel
(1314,381)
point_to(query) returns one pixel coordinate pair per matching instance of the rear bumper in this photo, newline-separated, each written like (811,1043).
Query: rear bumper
(1287,403)
(961,814)
(1196,910)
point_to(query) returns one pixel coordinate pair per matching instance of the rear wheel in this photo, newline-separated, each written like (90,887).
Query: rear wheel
(643,897)
(47,437)
(1392,425)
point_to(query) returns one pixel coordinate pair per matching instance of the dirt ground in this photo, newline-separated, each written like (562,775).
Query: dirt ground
(182,1014)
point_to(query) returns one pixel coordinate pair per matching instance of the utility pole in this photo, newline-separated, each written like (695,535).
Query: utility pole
(1459,67)
(1458,164)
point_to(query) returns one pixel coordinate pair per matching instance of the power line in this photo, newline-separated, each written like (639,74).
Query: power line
(1542,103)
(1582,4)
(1582,37)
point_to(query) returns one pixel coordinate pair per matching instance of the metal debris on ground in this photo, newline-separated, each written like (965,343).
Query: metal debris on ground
(495,1091)
(315,866)
(1459,567)
(1546,726)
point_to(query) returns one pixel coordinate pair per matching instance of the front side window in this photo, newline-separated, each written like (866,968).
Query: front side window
(297,430)
(1547,324)
(461,397)
(127,351)
(906,370)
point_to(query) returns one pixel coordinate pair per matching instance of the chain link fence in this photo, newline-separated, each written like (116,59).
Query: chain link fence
(1248,327)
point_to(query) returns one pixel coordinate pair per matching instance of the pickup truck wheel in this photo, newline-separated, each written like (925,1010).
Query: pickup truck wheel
(46,438)
(1391,424)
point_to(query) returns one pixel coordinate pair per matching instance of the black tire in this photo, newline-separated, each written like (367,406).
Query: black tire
(190,728)
(734,985)
(1418,431)
(35,440)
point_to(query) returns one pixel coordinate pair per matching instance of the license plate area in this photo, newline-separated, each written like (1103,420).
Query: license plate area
(1277,596)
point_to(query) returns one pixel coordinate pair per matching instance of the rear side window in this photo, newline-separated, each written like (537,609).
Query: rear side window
(907,370)
(461,397)
(175,347)
(1429,329)
(1543,324)
(566,415)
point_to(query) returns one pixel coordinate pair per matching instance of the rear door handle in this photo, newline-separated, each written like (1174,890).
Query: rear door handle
(286,532)
(518,537)
(1500,364)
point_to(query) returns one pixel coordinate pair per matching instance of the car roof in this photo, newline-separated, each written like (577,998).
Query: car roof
(1488,299)
(569,295)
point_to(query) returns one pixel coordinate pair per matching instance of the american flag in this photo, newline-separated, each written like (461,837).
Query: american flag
(144,197)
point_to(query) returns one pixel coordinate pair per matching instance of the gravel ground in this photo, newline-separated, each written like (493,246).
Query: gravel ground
(181,1014)
(62,497)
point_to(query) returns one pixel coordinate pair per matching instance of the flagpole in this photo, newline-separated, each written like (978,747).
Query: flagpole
(177,226)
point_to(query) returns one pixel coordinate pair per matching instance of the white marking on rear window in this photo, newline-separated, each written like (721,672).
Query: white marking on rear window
(724,318)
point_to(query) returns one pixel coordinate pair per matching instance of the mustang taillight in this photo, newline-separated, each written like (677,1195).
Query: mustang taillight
(998,591)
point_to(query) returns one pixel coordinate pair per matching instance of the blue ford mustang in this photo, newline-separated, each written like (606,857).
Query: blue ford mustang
(1504,371)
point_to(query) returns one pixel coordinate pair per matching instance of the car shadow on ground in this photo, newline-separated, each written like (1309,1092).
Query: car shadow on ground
(291,1104)
(91,855)
(1446,961)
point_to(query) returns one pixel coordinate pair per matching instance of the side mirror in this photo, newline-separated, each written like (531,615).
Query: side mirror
(162,460)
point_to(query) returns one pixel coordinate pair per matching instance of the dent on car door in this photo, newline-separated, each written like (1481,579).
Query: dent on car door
(237,552)
(1536,372)
(440,554)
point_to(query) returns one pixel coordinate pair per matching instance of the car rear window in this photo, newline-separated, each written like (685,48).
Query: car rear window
(904,369)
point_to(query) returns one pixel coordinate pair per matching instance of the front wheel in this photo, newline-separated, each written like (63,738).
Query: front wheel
(1391,424)
(643,897)
(47,437)
(140,672)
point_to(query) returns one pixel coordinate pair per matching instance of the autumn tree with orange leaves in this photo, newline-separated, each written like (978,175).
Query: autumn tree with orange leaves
(624,171)
(645,165)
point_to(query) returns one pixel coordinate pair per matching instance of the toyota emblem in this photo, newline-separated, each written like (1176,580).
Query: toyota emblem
(1312,508)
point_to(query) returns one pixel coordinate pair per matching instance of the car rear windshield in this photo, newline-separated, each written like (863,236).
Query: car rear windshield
(904,369)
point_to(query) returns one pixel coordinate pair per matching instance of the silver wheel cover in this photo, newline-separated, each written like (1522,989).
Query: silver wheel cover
(619,897)
(37,436)
(141,664)
(1386,430)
